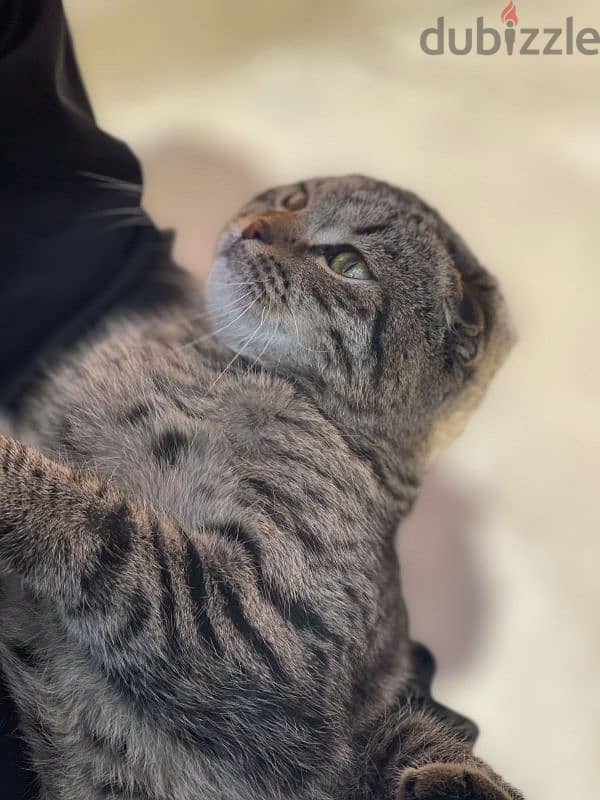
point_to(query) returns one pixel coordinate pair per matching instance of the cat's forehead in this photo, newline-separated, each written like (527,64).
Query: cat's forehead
(356,208)
(357,192)
(361,203)
(350,200)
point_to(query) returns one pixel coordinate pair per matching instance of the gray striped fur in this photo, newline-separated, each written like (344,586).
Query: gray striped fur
(201,596)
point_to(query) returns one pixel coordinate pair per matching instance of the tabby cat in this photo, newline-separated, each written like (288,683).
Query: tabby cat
(201,597)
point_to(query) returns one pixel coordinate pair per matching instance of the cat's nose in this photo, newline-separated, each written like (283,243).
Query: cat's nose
(259,229)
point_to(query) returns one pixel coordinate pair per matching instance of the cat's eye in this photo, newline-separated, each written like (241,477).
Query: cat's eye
(295,201)
(350,264)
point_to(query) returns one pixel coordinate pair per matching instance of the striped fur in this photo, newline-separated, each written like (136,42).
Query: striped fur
(201,596)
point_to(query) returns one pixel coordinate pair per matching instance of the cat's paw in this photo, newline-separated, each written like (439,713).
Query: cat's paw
(449,782)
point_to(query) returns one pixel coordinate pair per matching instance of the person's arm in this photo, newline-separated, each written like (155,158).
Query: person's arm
(66,256)
(73,237)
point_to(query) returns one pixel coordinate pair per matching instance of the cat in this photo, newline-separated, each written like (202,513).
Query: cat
(201,596)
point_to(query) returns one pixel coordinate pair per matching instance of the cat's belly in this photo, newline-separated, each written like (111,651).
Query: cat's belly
(85,743)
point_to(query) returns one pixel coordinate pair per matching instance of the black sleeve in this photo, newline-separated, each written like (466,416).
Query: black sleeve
(67,254)
(73,237)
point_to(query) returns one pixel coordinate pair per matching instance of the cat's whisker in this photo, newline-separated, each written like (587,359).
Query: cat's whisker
(213,313)
(237,355)
(135,216)
(224,327)
(109,182)
(240,283)
(269,340)
(238,262)
(273,335)
(308,349)
(217,312)
(132,222)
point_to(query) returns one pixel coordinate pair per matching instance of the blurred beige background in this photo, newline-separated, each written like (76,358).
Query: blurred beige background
(501,559)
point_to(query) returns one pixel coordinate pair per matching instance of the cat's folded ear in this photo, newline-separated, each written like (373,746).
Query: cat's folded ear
(478,336)
(475,310)
(466,320)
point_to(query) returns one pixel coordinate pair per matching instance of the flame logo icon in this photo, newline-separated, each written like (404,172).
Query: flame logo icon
(509,14)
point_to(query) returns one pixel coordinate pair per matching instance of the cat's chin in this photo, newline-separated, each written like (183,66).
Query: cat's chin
(239,318)
(226,302)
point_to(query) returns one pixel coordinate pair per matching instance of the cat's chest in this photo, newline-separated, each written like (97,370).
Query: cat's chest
(196,454)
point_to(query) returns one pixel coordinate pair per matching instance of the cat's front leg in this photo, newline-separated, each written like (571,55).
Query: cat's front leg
(425,753)
(78,541)
(435,762)
(98,556)
(51,519)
